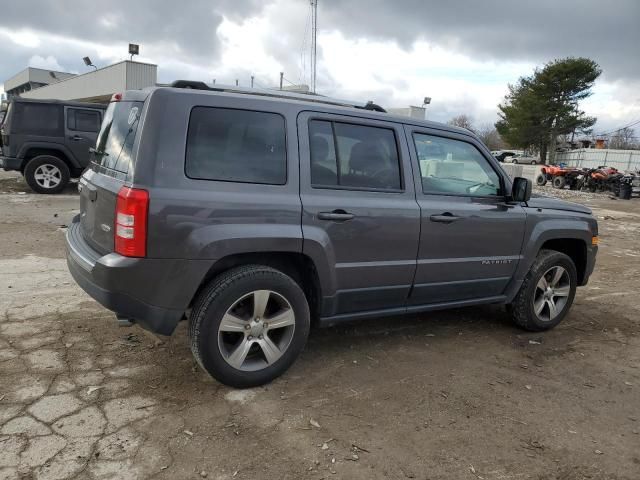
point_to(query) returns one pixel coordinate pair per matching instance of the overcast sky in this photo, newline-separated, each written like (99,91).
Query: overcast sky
(461,53)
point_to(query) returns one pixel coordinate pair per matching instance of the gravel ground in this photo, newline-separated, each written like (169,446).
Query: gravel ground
(459,394)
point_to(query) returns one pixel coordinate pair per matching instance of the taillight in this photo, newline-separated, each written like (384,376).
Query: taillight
(116,97)
(130,234)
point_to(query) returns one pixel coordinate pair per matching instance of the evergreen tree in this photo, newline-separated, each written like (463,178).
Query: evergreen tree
(546,104)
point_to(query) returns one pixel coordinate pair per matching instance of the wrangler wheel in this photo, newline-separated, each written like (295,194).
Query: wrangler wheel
(47,174)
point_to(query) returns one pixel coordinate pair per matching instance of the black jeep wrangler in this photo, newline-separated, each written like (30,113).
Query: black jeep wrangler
(48,141)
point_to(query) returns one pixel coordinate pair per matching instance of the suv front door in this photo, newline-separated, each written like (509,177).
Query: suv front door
(471,239)
(359,211)
(81,131)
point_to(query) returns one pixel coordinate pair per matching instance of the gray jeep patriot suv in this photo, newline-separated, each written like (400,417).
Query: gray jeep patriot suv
(252,213)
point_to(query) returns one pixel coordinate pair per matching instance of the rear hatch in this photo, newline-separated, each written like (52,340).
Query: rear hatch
(111,165)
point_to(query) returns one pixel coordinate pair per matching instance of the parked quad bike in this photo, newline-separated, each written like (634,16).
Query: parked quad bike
(602,179)
(560,176)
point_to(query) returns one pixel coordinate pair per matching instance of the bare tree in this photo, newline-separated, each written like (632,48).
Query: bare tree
(490,137)
(623,139)
(462,121)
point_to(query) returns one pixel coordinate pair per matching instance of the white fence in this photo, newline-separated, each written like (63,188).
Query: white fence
(591,158)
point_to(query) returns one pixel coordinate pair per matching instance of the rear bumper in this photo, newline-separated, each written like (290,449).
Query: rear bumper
(10,163)
(154,293)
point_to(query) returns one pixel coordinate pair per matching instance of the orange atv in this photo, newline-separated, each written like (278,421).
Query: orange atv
(559,176)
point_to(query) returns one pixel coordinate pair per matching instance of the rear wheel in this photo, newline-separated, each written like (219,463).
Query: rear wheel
(47,174)
(626,191)
(514,161)
(559,182)
(249,325)
(547,292)
(533,162)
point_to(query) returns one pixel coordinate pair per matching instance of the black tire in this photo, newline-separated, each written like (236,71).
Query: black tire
(218,297)
(541,180)
(61,176)
(626,191)
(533,162)
(559,182)
(514,161)
(522,309)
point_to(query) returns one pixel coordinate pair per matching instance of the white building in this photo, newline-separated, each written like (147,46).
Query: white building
(412,111)
(31,78)
(93,86)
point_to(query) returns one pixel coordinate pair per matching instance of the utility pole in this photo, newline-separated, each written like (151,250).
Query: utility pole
(314,42)
(252,81)
(281,79)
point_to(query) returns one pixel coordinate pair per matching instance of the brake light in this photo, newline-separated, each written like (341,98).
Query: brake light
(130,235)
(116,97)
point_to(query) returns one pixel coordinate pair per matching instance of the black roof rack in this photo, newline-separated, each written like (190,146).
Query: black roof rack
(309,97)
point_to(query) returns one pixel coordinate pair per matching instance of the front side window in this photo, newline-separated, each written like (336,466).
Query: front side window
(454,167)
(353,156)
(236,146)
(83,120)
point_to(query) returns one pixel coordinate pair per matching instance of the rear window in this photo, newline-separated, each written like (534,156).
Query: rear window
(236,146)
(83,120)
(42,119)
(353,156)
(115,141)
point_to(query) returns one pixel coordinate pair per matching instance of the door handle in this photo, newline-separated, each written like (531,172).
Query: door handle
(446,217)
(75,138)
(336,216)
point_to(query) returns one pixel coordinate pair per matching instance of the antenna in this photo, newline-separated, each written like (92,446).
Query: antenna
(314,42)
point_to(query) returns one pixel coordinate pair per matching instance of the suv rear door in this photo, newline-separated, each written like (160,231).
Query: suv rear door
(358,209)
(471,240)
(81,130)
(110,166)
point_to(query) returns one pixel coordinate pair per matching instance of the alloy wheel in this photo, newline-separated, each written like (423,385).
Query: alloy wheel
(256,330)
(48,176)
(552,293)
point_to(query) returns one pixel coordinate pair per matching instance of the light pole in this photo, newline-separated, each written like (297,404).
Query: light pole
(425,102)
(88,63)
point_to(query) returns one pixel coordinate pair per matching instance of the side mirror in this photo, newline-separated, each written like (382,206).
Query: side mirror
(521,191)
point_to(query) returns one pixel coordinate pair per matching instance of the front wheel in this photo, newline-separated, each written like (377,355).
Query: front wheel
(47,174)
(541,180)
(547,292)
(249,325)
(514,161)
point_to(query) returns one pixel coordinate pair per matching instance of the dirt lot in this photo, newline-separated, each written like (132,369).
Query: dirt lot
(458,395)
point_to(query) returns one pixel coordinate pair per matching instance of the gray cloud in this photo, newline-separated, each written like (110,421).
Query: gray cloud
(535,31)
(189,26)
(517,30)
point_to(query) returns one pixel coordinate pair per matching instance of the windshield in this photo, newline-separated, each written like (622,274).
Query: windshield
(117,134)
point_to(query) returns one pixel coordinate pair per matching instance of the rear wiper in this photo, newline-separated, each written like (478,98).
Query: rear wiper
(95,151)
